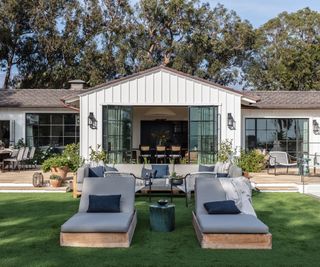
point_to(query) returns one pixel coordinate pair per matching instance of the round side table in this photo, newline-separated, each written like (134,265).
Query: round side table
(162,218)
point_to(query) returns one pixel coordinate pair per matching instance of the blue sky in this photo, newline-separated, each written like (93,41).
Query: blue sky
(256,11)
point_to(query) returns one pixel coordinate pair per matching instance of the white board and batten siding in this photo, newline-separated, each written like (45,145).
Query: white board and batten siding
(159,88)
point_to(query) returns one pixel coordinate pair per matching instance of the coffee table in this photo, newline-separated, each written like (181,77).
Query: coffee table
(162,218)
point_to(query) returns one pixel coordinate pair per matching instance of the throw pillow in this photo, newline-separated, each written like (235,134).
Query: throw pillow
(204,168)
(101,203)
(96,171)
(162,170)
(221,207)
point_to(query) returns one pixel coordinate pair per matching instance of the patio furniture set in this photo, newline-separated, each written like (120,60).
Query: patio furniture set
(161,154)
(17,158)
(223,218)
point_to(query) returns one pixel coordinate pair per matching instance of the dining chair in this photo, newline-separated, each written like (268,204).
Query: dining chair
(145,153)
(161,154)
(175,153)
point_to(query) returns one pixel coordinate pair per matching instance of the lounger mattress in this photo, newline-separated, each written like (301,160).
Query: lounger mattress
(83,222)
(235,224)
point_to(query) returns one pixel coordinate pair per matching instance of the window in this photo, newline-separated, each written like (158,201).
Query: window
(203,133)
(117,133)
(289,135)
(46,129)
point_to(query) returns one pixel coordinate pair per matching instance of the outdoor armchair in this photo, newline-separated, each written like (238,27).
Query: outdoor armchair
(281,159)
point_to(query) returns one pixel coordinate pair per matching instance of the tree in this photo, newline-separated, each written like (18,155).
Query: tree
(286,55)
(15,34)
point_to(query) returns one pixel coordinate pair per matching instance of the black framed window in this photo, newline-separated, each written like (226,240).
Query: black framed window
(203,132)
(278,134)
(117,133)
(52,129)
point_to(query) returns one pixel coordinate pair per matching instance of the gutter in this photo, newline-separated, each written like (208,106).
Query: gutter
(69,106)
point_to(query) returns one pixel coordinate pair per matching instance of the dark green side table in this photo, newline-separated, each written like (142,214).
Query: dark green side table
(162,218)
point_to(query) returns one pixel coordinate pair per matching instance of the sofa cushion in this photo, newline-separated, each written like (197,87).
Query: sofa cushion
(110,169)
(100,203)
(97,171)
(147,172)
(222,175)
(162,170)
(83,222)
(204,168)
(231,223)
(221,207)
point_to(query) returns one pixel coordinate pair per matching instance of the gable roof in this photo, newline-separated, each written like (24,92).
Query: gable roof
(154,70)
(35,98)
(285,99)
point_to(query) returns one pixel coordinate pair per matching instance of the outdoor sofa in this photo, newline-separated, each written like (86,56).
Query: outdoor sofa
(93,225)
(228,231)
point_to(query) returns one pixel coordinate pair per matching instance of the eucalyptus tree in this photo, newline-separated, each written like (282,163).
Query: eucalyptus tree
(287,53)
(15,35)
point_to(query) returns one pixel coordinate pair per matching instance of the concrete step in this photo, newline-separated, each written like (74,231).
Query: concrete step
(28,188)
(277,187)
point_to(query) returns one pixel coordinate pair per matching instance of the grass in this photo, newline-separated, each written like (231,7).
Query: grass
(30,223)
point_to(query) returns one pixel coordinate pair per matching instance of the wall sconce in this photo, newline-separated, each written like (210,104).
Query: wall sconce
(316,128)
(231,121)
(92,121)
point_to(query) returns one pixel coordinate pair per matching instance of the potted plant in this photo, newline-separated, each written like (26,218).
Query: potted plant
(55,180)
(176,179)
(58,165)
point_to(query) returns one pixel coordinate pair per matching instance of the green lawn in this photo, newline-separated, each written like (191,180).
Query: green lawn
(30,223)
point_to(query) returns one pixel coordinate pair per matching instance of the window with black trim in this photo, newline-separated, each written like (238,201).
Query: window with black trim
(52,129)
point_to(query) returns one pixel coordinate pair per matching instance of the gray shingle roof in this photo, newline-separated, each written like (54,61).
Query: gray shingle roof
(285,99)
(35,98)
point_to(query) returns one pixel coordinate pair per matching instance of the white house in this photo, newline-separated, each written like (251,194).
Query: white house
(161,106)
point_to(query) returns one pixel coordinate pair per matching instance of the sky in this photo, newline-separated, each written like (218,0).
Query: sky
(257,12)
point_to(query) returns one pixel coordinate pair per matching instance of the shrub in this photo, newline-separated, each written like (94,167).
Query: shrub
(98,155)
(58,161)
(225,151)
(252,161)
(72,153)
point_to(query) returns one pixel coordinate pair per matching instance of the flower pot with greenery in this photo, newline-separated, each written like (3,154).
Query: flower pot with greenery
(55,180)
(58,165)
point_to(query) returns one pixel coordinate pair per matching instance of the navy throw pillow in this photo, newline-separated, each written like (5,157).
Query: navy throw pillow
(222,175)
(203,168)
(110,169)
(151,173)
(162,170)
(96,171)
(109,203)
(221,207)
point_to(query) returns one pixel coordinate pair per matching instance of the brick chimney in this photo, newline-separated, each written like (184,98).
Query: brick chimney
(77,84)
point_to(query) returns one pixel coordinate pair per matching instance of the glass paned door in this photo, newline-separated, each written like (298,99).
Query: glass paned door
(5,133)
(117,133)
(203,133)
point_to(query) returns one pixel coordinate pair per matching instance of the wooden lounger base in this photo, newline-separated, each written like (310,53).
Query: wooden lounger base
(231,241)
(99,240)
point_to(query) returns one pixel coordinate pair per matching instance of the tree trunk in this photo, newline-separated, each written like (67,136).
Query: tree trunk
(8,73)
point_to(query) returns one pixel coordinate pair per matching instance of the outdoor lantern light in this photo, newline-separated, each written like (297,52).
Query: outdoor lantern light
(92,121)
(231,121)
(316,128)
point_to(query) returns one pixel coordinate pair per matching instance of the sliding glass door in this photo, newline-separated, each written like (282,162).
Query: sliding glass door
(117,133)
(203,133)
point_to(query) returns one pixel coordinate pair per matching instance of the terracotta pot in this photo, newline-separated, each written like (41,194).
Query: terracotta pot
(246,174)
(55,183)
(62,172)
